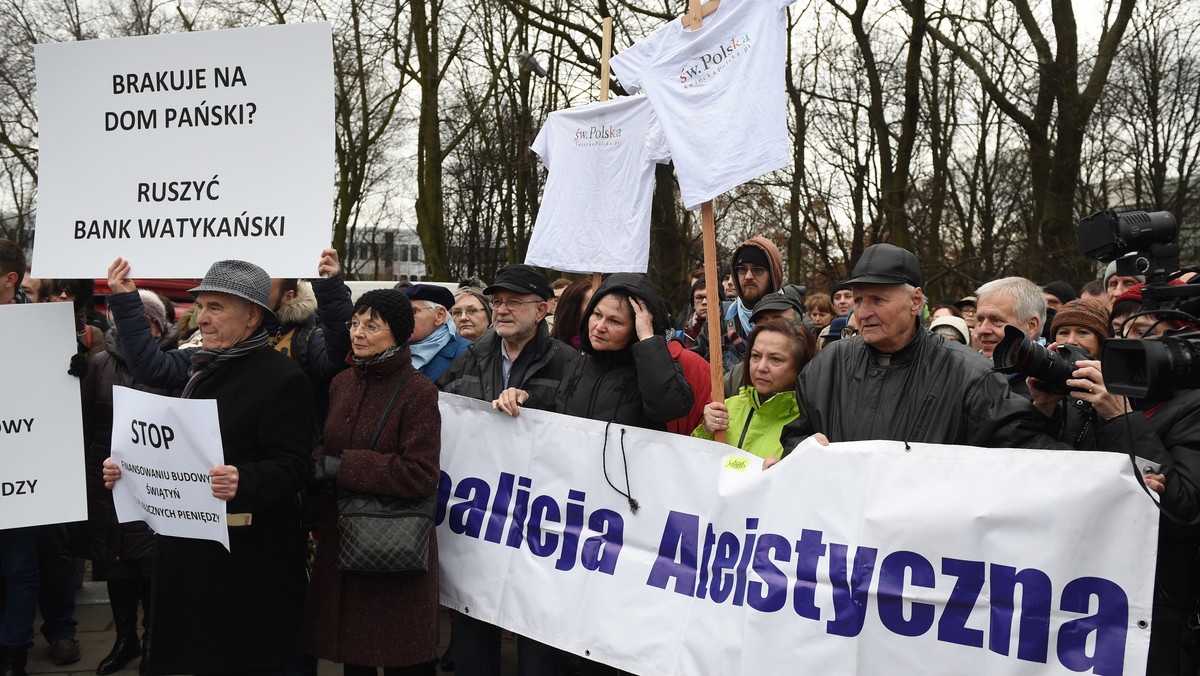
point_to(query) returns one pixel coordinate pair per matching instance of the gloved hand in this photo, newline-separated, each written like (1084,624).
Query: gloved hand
(325,468)
(79,365)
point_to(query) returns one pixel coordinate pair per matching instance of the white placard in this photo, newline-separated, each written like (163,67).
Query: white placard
(862,558)
(166,447)
(175,151)
(41,426)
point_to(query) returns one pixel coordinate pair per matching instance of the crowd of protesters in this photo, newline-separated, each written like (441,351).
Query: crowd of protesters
(302,377)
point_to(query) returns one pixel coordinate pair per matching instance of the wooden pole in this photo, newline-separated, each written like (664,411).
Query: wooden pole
(716,372)
(605,53)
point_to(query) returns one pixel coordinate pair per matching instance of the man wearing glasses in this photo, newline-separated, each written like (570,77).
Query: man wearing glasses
(757,271)
(516,352)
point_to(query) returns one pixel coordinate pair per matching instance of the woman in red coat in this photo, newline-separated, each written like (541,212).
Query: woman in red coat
(366,621)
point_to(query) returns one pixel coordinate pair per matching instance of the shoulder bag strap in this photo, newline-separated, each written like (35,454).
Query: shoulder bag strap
(388,410)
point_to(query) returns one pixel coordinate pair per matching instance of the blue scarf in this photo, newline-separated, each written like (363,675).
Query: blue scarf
(738,308)
(427,348)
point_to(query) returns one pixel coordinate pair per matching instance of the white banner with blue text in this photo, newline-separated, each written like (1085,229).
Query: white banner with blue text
(662,554)
(41,427)
(165,447)
(175,151)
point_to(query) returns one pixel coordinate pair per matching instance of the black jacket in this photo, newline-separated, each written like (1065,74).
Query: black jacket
(1169,434)
(105,541)
(640,385)
(477,372)
(264,405)
(933,391)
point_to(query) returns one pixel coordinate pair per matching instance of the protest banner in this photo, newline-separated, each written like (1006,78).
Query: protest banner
(41,427)
(165,447)
(174,150)
(864,558)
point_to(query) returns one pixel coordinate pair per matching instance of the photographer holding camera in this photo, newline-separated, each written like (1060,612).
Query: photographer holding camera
(1082,324)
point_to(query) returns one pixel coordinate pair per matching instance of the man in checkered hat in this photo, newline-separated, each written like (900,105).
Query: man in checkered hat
(234,611)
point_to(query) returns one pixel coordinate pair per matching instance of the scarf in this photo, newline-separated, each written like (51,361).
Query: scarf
(207,362)
(380,356)
(427,348)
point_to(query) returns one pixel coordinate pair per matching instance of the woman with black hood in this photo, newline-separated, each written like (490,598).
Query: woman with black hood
(627,374)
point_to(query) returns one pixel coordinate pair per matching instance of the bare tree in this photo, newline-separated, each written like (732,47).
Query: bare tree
(1048,105)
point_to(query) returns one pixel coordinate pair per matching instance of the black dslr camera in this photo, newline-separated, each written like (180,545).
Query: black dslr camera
(1143,243)
(1016,353)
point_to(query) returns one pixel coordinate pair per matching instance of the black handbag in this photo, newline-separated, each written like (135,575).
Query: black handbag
(382,535)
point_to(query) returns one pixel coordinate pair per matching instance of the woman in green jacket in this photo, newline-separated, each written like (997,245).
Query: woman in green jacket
(754,417)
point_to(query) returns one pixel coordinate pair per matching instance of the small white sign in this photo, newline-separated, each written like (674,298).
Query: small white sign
(41,427)
(174,150)
(165,447)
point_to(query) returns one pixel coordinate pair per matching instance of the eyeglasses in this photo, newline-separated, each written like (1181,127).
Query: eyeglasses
(469,311)
(849,332)
(752,270)
(512,305)
(371,329)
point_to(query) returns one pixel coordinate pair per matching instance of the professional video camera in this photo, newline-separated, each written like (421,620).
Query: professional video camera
(1016,353)
(1143,243)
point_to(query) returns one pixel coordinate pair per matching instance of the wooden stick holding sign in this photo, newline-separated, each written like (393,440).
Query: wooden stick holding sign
(694,20)
(605,53)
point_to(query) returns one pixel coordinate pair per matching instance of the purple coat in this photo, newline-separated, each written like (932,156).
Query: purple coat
(377,620)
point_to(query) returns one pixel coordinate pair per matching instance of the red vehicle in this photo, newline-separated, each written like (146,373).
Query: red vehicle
(174,289)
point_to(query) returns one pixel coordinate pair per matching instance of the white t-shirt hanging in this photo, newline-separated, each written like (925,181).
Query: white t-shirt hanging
(595,211)
(719,94)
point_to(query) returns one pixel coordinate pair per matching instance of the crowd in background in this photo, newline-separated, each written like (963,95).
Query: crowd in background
(320,394)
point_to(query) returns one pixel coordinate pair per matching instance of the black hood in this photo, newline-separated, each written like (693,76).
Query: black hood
(637,286)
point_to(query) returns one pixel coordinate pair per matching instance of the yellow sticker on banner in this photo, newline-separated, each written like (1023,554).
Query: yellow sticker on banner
(736,464)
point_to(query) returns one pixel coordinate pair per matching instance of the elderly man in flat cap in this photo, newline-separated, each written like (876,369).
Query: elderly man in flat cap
(895,380)
(235,611)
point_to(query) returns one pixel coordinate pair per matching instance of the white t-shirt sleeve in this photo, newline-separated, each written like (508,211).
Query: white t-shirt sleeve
(657,149)
(541,144)
(631,65)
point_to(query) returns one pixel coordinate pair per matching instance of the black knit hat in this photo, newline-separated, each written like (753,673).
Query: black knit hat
(395,309)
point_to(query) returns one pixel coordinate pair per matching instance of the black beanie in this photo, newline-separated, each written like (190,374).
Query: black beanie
(395,309)
(754,255)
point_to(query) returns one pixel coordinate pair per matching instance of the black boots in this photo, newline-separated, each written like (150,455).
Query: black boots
(12,660)
(126,649)
(144,666)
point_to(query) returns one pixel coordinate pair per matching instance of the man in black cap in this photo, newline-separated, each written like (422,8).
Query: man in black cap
(517,351)
(1058,294)
(843,299)
(435,343)
(898,381)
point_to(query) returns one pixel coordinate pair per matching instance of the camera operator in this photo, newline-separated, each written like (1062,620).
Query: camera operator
(1084,324)
(1167,433)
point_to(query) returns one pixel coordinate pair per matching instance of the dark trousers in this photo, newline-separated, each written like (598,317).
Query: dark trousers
(19,592)
(123,597)
(476,651)
(56,597)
